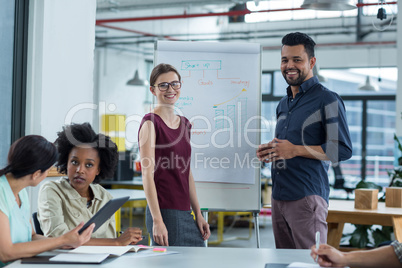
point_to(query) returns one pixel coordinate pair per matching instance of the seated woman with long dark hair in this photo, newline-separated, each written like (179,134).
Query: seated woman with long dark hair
(29,161)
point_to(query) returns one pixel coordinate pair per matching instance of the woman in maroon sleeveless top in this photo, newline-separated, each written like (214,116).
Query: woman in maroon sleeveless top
(164,140)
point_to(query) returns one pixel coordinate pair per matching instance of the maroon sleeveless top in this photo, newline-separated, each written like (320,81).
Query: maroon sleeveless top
(172,162)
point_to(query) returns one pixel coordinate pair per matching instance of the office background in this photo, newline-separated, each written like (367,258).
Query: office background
(69,61)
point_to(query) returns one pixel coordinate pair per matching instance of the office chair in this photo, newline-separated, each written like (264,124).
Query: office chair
(340,181)
(38,230)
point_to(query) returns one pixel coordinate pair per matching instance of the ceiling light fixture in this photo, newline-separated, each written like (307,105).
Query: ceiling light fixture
(316,72)
(334,5)
(136,81)
(368,86)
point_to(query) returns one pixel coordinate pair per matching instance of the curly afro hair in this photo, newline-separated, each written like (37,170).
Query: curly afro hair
(82,134)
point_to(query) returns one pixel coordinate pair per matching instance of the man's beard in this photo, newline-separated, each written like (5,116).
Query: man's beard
(298,81)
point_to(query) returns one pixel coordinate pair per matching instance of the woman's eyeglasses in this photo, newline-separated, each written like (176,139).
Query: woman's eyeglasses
(176,85)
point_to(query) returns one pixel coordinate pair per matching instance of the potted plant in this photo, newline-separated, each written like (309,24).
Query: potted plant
(400,150)
(360,236)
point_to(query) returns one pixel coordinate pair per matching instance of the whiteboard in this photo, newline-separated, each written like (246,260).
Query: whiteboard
(221,96)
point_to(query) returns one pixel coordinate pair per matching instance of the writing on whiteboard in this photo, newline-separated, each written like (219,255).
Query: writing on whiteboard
(201,64)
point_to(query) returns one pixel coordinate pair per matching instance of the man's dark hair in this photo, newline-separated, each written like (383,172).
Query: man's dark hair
(297,38)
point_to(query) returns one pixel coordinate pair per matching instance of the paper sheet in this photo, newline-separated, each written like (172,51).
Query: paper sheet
(115,250)
(72,257)
(150,253)
(302,265)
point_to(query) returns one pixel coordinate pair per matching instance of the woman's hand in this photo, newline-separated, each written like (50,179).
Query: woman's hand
(73,239)
(131,236)
(160,233)
(203,226)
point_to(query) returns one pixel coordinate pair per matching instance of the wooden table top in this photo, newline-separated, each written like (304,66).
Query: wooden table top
(347,206)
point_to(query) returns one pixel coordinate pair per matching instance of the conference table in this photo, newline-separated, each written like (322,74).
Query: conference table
(196,258)
(135,195)
(343,211)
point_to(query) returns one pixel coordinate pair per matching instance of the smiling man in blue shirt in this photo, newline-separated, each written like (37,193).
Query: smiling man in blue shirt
(311,132)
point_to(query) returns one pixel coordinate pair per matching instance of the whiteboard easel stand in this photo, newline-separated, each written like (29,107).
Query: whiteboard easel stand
(256,226)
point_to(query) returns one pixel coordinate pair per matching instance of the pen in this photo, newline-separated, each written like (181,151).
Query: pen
(317,242)
(142,236)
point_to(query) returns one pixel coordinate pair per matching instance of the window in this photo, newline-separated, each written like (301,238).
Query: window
(14,32)
(6,76)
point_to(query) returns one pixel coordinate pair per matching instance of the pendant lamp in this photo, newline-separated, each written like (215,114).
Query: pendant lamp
(333,5)
(368,86)
(136,81)
(316,72)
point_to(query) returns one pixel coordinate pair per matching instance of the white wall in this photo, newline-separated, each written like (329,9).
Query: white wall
(115,68)
(60,64)
(60,67)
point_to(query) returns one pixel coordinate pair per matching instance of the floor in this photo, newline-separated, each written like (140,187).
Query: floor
(236,228)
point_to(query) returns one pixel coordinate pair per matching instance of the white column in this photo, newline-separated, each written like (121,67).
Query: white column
(399,83)
(60,65)
(61,46)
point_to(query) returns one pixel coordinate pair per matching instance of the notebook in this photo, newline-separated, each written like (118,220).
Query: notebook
(66,258)
(113,251)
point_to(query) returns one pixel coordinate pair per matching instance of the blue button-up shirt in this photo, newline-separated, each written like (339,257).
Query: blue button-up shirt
(316,116)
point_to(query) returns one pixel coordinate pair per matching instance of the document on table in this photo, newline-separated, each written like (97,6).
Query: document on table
(302,265)
(150,253)
(114,251)
(66,258)
(293,265)
(79,258)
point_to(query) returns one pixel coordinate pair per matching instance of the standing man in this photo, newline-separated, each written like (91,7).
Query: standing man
(311,130)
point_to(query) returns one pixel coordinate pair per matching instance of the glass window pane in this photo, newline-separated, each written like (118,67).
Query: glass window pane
(380,140)
(280,84)
(346,82)
(268,122)
(7,11)
(351,169)
(266,83)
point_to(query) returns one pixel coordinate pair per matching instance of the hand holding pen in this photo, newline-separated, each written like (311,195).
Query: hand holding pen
(130,236)
(317,242)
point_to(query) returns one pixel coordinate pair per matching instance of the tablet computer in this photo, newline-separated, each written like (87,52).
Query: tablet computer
(105,213)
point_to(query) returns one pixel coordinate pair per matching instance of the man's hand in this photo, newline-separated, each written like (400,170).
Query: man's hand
(276,149)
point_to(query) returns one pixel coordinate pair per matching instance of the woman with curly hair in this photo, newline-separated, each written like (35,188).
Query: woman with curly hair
(86,158)
(29,161)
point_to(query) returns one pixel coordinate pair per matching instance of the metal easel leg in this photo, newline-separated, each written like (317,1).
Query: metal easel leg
(257,228)
(205,215)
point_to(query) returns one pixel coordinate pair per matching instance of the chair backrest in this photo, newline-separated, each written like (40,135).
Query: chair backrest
(38,230)
(339,179)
